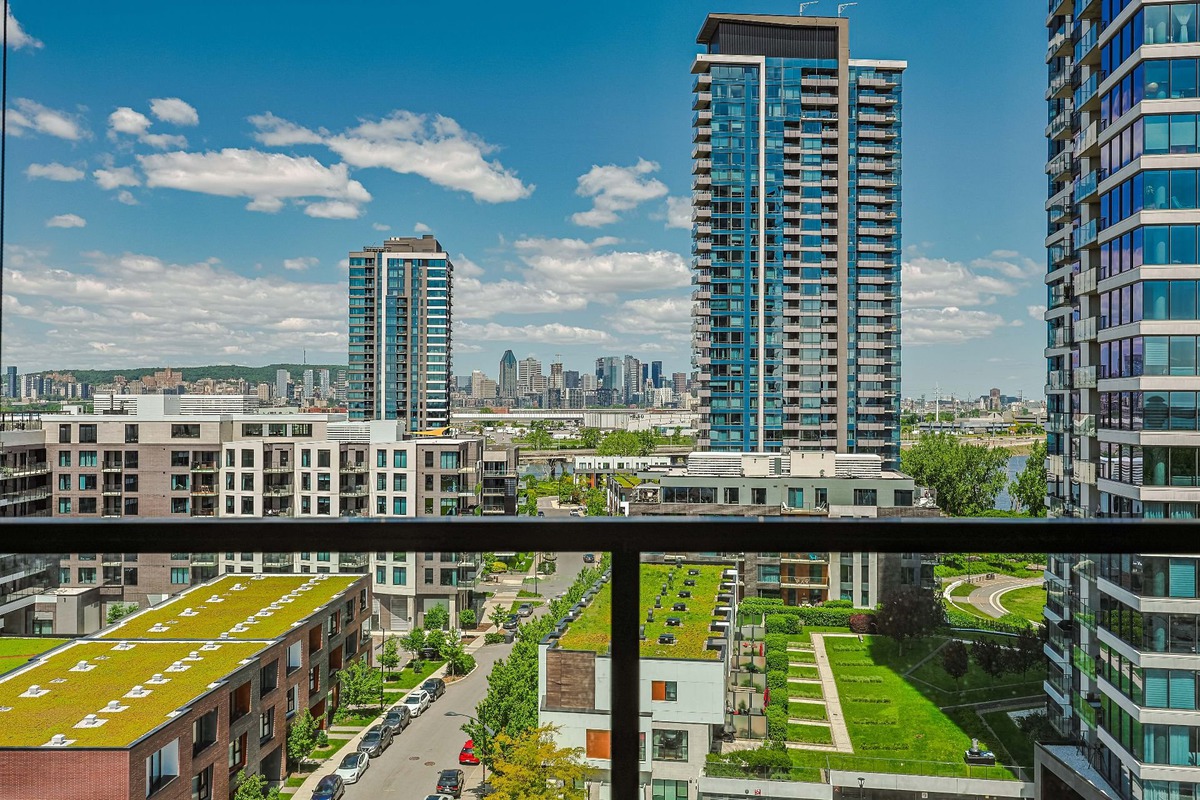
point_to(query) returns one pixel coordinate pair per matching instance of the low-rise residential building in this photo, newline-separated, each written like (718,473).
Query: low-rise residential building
(175,701)
(682,678)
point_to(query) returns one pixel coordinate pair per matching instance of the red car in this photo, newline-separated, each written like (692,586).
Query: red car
(467,754)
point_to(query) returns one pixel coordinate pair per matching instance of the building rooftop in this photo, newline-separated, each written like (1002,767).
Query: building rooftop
(87,677)
(237,607)
(786,20)
(593,630)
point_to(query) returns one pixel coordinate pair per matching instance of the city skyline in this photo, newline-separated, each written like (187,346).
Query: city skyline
(543,267)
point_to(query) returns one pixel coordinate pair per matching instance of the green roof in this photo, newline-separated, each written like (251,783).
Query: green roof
(276,603)
(593,630)
(71,695)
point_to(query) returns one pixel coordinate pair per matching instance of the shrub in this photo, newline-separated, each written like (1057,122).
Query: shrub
(466,618)
(777,659)
(493,638)
(837,604)
(779,623)
(499,566)
(779,700)
(776,641)
(776,722)
(862,623)
(777,680)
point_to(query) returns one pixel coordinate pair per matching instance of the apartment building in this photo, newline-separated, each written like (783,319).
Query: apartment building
(796,238)
(174,702)
(400,333)
(24,472)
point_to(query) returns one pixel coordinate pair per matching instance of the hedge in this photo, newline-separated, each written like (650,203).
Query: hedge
(782,623)
(779,699)
(777,642)
(777,659)
(961,619)
(777,680)
(822,616)
(776,722)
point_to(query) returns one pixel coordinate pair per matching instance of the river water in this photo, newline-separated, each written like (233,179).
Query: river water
(1015,465)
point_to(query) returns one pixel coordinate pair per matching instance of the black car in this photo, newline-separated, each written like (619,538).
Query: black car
(512,622)
(436,688)
(589,558)
(375,741)
(331,787)
(450,782)
(397,719)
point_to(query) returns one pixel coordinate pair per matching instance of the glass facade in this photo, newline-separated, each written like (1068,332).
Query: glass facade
(400,333)
(796,251)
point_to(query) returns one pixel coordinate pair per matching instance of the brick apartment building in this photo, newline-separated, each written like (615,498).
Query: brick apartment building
(173,702)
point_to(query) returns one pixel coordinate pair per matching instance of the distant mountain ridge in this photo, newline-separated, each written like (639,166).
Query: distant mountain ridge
(253,375)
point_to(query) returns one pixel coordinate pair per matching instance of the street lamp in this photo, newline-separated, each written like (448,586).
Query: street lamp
(490,733)
(536,554)
(861,781)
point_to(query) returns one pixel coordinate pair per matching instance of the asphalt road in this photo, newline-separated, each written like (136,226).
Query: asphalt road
(410,767)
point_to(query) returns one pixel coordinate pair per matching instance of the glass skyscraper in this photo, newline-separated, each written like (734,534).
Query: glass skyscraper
(400,325)
(796,238)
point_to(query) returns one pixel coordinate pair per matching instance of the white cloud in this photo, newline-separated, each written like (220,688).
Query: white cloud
(127,198)
(136,124)
(66,221)
(54,172)
(950,325)
(89,305)
(379,226)
(266,178)
(679,212)
(300,264)
(275,131)
(421,227)
(17,37)
(576,265)
(1036,312)
(937,283)
(552,333)
(474,299)
(614,189)
(668,318)
(174,111)
(116,177)
(434,147)
(30,116)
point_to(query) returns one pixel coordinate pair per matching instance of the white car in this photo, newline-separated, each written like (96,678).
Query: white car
(353,766)
(417,701)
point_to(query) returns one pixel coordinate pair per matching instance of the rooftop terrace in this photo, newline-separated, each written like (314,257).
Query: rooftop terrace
(593,629)
(131,688)
(245,607)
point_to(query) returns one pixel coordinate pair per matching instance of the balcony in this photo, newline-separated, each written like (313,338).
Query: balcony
(204,489)
(354,469)
(204,466)
(111,466)
(25,470)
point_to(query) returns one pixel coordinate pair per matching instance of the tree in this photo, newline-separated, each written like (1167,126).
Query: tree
(625,443)
(590,438)
(497,616)
(467,618)
(389,656)
(120,610)
(1027,653)
(254,787)
(1028,489)
(990,657)
(302,737)
(436,618)
(597,502)
(361,685)
(955,660)
(533,767)
(435,640)
(967,477)
(458,660)
(413,642)
(910,612)
(538,437)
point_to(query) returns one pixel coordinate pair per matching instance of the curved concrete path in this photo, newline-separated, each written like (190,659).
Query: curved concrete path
(986,597)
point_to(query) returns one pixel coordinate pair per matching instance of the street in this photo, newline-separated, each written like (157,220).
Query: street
(410,767)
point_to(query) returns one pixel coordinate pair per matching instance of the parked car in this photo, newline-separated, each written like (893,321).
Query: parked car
(417,701)
(541,513)
(450,782)
(589,558)
(511,623)
(467,754)
(375,741)
(331,787)
(578,512)
(436,687)
(438,797)
(525,610)
(397,718)
(353,766)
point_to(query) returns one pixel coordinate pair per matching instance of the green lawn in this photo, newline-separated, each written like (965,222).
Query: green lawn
(963,589)
(806,711)
(810,690)
(811,734)
(1026,602)
(803,671)
(889,718)
(15,652)
(408,679)
(974,687)
(335,744)
(1015,742)
(801,658)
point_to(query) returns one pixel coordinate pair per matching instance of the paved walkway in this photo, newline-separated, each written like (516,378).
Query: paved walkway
(986,598)
(833,704)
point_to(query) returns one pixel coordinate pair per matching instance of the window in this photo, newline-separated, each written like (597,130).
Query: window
(87,505)
(248,506)
(449,459)
(88,458)
(247,458)
(87,483)
(400,459)
(381,575)
(64,434)
(381,458)
(131,459)
(131,483)
(758,497)
(131,434)
(599,744)
(664,690)
(448,577)
(731,496)
(266,725)
(64,458)
(429,483)
(64,483)
(429,458)
(204,731)
(399,483)
(64,575)
(323,505)
(179,576)
(400,506)
(306,458)
(87,575)
(291,700)
(865,497)
(162,767)
(202,784)
(237,753)
(180,483)
(670,745)
(130,576)
(669,790)
(189,431)
(323,458)
(64,505)
(428,577)
(181,458)
(87,434)
(131,506)
(400,576)
(323,482)
(293,657)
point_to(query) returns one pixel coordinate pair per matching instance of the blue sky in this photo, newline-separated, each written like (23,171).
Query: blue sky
(185,183)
